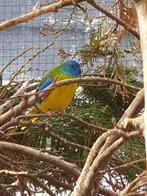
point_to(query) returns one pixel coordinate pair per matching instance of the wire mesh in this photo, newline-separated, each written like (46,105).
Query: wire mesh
(35,34)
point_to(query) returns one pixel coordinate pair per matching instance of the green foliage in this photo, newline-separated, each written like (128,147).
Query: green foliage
(131,151)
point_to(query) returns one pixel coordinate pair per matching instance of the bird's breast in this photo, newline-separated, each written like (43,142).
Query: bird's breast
(58,99)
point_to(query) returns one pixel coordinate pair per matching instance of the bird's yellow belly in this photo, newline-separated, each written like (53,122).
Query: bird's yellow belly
(58,99)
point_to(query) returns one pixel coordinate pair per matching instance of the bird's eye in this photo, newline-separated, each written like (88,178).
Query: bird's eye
(72,66)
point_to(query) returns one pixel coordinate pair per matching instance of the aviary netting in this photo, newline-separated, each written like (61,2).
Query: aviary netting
(97,148)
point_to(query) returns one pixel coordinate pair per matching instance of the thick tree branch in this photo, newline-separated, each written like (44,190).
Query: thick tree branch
(53,7)
(141,7)
(133,123)
(139,181)
(134,108)
(38,155)
(95,162)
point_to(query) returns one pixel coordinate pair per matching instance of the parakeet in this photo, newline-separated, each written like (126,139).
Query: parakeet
(59,98)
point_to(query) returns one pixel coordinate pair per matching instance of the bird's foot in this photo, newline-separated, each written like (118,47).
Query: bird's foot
(62,113)
(49,113)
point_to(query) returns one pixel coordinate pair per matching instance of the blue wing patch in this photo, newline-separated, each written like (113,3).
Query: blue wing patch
(45,84)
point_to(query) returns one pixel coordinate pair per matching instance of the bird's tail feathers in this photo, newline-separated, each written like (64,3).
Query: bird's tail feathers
(34,110)
(12,131)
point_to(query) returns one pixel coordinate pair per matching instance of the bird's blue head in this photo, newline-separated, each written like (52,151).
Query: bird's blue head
(72,68)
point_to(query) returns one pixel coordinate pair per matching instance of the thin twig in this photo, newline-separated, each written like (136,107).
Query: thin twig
(115,18)
(14,59)
(123,166)
(63,140)
(85,123)
(79,80)
(24,64)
